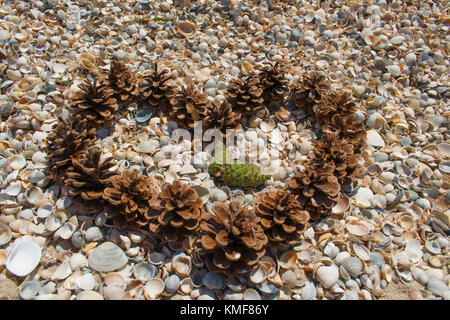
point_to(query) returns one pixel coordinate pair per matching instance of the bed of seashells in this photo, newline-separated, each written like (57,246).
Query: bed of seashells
(396,236)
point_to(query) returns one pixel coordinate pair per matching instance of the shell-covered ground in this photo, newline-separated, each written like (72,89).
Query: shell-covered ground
(391,242)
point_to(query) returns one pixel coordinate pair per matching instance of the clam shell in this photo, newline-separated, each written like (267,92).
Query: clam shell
(172,283)
(213,280)
(17,162)
(257,275)
(186,286)
(5,234)
(62,272)
(186,29)
(113,293)
(23,258)
(309,291)
(327,276)
(107,257)
(153,289)
(288,259)
(87,61)
(45,211)
(29,290)
(353,266)
(251,294)
(357,228)
(341,206)
(66,231)
(156,258)
(361,251)
(182,264)
(144,271)
(89,295)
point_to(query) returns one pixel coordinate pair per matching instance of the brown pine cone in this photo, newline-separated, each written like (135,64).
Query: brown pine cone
(176,212)
(189,105)
(122,80)
(96,103)
(221,117)
(282,216)
(308,89)
(88,175)
(232,239)
(317,189)
(67,140)
(156,89)
(245,95)
(274,84)
(332,103)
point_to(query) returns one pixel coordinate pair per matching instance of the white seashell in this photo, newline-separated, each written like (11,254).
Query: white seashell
(182,264)
(341,256)
(62,272)
(327,276)
(251,294)
(153,289)
(13,189)
(144,271)
(17,162)
(257,275)
(364,197)
(353,266)
(114,279)
(309,291)
(387,273)
(172,283)
(89,295)
(23,258)
(305,256)
(66,231)
(107,257)
(419,275)
(78,261)
(374,138)
(86,282)
(93,234)
(45,211)
(357,228)
(331,250)
(52,223)
(186,286)
(113,293)
(5,234)
(437,287)
(361,251)
(29,290)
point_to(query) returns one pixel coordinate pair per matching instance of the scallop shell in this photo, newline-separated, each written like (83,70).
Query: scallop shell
(113,293)
(144,271)
(181,263)
(353,266)
(153,289)
(29,290)
(23,258)
(78,261)
(89,295)
(107,257)
(5,234)
(114,279)
(327,275)
(86,282)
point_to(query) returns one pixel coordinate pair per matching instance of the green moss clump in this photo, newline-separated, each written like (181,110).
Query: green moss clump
(232,173)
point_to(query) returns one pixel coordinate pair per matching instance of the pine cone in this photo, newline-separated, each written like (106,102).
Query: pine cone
(67,140)
(189,105)
(88,175)
(332,103)
(348,128)
(96,103)
(131,192)
(122,80)
(318,189)
(245,95)
(155,87)
(221,117)
(176,212)
(274,84)
(308,89)
(340,154)
(282,216)
(232,239)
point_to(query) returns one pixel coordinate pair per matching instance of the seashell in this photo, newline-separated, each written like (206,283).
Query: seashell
(34,195)
(186,286)
(29,290)
(363,197)
(144,115)
(45,211)
(353,266)
(66,231)
(156,258)
(306,256)
(374,139)
(197,278)
(113,293)
(419,275)
(5,234)
(361,251)
(251,294)
(357,228)
(23,258)
(324,226)
(309,291)
(437,287)
(52,223)
(114,279)
(288,260)
(153,289)
(107,257)
(433,246)
(78,261)
(148,146)
(77,239)
(202,192)
(144,271)
(327,276)
(89,295)
(186,29)
(444,167)
(213,280)
(17,162)
(240,196)
(94,234)
(62,272)
(172,283)
(181,263)
(341,206)
(406,221)
(87,61)
(86,282)
(437,261)
(13,189)
(444,149)
(257,275)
